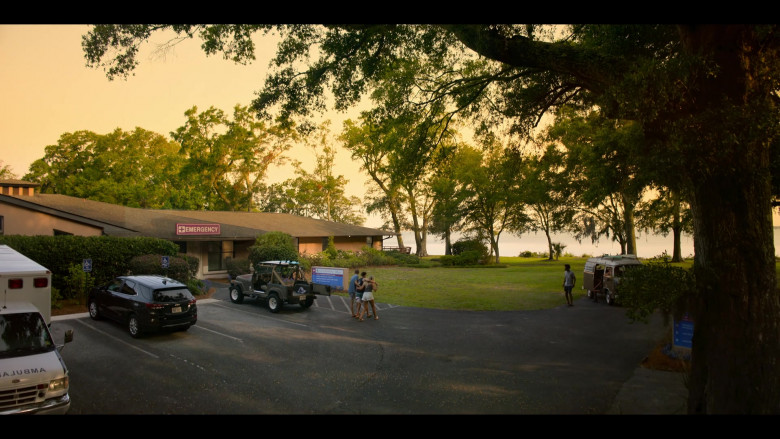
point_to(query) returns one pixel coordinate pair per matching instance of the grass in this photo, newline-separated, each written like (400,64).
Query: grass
(516,284)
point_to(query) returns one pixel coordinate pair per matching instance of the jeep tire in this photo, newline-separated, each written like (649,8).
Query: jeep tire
(236,295)
(274,303)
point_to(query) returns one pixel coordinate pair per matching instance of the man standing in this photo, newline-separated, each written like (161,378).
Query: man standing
(568,284)
(352,289)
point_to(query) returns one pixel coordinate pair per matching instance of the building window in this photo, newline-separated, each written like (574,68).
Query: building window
(1,225)
(218,251)
(324,243)
(370,241)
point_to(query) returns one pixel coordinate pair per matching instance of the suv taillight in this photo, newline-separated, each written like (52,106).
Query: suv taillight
(41,282)
(15,284)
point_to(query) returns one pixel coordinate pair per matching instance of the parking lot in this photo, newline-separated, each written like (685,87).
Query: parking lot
(242,359)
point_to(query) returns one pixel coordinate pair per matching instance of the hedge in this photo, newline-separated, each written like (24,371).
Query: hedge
(110,255)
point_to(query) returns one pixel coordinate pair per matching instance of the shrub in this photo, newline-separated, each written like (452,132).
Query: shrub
(178,268)
(196,286)
(236,266)
(655,286)
(471,257)
(471,245)
(56,297)
(400,258)
(110,255)
(273,246)
(193,263)
(557,250)
(78,283)
(330,251)
(447,260)
(346,259)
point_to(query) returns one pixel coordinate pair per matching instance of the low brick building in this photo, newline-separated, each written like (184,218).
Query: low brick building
(211,236)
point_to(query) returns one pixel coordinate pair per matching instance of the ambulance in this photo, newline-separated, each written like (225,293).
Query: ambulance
(33,375)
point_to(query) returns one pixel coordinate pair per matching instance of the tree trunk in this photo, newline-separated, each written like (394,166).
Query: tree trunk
(676,229)
(736,308)
(630,229)
(396,226)
(549,244)
(736,341)
(494,244)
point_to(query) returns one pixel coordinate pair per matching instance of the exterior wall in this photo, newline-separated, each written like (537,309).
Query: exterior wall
(354,244)
(17,190)
(309,245)
(20,221)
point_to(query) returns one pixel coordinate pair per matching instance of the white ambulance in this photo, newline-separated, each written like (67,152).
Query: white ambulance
(33,375)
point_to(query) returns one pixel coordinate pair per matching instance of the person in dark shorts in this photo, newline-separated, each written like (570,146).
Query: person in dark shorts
(359,288)
(352,290)
(568,284)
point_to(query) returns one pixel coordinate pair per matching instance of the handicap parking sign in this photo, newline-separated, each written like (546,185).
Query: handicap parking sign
(165,262)
(87,265)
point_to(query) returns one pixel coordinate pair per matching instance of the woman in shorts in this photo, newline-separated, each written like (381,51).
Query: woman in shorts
(368,298)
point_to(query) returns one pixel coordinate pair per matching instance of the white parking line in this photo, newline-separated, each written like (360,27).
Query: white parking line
(334,301)
(218,333)
(118,339)
(255,314)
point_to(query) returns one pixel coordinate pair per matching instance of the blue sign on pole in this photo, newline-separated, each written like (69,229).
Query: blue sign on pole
(683,332)
(165,262)
(87,265)
(328,276)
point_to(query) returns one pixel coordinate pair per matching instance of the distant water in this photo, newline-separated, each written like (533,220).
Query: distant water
(648,245)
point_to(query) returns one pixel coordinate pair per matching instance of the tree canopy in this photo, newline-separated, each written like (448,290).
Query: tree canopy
(705,97)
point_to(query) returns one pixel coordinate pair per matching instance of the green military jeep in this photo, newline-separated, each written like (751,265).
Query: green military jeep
(277,283)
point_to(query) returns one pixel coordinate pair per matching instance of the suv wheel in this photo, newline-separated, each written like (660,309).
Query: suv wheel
(236,296)
(274,303)
(133,327)
(608,298)
(94,313)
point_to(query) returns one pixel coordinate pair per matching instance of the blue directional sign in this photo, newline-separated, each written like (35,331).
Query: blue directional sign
(683,332)
(165,262)
(87,265)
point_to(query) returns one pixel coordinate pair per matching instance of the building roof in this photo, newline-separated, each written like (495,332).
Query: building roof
(18,183)
(119,220)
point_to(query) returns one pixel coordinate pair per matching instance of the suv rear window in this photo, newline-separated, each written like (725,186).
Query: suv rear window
(172,295)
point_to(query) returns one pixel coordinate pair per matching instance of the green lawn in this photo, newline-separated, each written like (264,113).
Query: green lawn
(518,284)
(523,284)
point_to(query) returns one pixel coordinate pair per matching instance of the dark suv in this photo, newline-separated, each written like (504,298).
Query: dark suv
(144,304)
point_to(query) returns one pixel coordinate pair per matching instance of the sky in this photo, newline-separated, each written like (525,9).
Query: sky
(47,90)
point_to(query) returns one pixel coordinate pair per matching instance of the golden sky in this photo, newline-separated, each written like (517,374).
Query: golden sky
(47,90)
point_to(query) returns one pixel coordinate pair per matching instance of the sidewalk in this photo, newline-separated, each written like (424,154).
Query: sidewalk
(652,392)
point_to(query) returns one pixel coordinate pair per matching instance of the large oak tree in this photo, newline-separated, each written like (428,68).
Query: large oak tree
(705,96)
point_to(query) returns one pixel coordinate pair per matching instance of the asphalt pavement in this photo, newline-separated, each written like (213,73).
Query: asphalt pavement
(646,392)
(558,337)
